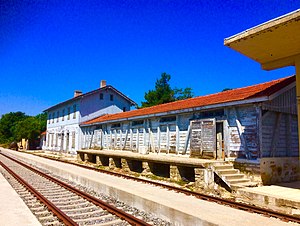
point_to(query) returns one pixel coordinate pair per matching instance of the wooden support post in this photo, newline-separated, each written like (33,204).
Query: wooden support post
(158,138)
(186,143)
(110,141)
(106,139)
(168,139)
(120,139)
(126,135)
(116,139)
(131,136)
(151,140)
(144,139)
(137,139)
(177,138)
(226,134)
(101,138)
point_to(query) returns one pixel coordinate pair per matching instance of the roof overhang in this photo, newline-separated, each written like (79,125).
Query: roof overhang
(274,44)
(183,111)
(132,103)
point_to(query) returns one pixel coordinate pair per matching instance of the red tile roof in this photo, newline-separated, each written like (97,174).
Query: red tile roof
(245,93)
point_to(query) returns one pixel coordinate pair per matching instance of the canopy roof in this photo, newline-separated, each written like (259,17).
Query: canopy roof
(273,44)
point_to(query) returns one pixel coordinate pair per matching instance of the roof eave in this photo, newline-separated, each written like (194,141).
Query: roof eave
(262,27)
(90,93)
(274,44)
(183,111)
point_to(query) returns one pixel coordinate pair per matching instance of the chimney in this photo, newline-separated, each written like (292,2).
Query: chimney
(102,83)
(77,93)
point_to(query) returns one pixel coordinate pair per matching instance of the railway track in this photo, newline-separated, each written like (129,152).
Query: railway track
(57,203)
(227,202)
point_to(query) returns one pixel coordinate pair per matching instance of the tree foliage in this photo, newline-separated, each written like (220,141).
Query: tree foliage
(8,124)
(163,93)
(16,125)
(226,89)
(182,94)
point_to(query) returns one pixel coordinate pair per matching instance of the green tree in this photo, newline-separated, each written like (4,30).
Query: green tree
(182,94)
(226,89)
(16,125)
(31,127)
(28,129)
(8,123)
(42,121)
(163,93)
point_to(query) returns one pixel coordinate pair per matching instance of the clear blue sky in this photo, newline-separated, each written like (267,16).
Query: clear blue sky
(48,49)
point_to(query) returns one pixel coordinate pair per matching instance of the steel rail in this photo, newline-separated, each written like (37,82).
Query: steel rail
(56,211)
(227,202)
(111,209)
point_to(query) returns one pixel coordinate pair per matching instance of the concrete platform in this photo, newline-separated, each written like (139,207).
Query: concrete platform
(178,160)
(168,205)
(13,211)
(283,197)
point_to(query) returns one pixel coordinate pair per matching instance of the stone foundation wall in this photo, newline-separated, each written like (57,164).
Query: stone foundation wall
(250,168)
(280,169)
(198,177)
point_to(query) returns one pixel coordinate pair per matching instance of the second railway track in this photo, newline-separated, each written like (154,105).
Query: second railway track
(62,203)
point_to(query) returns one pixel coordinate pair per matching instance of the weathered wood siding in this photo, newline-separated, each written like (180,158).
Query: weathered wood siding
(280,126)
(285,103)
(182,136)
(249,131)
(279,135)
(189,134)
(242,132)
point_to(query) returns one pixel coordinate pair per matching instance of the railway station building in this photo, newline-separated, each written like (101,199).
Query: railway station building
(252,126)
(63,131)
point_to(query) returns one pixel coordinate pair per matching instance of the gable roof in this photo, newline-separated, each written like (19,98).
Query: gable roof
(240,94)
(91,93)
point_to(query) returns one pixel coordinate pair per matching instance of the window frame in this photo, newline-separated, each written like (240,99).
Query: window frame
(74,111)
(69,112)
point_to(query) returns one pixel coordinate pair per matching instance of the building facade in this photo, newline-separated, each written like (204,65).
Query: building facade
(249,123)
(63,130)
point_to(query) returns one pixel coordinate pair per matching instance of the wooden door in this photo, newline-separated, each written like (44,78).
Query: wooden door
(203,138)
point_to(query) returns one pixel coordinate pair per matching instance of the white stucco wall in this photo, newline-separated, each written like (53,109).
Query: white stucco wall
(92,106)
(60,131)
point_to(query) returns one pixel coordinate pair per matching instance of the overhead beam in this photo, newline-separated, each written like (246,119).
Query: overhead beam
(280,63)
